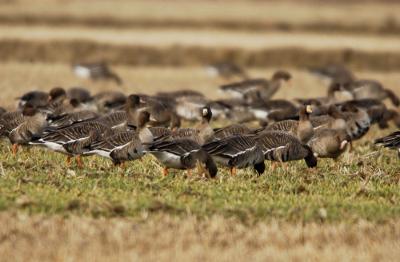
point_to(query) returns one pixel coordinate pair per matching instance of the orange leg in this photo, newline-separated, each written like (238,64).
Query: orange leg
(273,166)
(233,171)
(68,161)
(79,161)
(165,171)
(14,149)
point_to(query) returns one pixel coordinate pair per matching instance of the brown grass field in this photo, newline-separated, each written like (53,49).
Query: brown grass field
(346,210)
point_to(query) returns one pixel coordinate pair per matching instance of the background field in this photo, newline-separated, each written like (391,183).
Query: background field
(347,210)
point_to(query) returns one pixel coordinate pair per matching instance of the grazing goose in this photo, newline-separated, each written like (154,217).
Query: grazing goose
(273,110)
(226,70)
(282,147)
(74,140)
(302,129)
(108,101)
(370,89)
(391,141)
(187,107)
(182,154)
(73,118)
(161,111)
(334,119)
(80,94)
(32,125)
(125,146)
(329,143)
(238,151)
(231,130)
(333,73)
(120,120)
(253,88)
(200,133)
(96,71)
(357,121)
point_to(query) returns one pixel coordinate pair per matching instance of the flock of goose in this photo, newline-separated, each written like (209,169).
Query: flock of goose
(125,128)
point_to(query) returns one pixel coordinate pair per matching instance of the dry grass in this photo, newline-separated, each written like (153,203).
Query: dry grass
(271,11)
(165,238)
(18,78)
(203,38)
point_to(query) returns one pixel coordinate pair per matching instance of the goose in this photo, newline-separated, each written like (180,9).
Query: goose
(334,119)
(357,120)
(273,110)
(187,107)
(108,101)
(231,130)
(200,133)
(333,73)
(161,110)
(30,125)
(73,118)
(127,145)
(391,141)
(226,70)
(2,111)
(236,152)
(282,147)
(302,129)
(74,140)
(79,93)
(370,89)
(35,98)
(120,120)
(95,71)
(232,109)
(181,154)
(376,109)
(328,143)
(259,87)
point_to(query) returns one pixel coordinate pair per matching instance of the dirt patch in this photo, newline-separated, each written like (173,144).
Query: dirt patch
(72,51)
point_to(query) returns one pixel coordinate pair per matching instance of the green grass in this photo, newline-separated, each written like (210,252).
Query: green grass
(361,185)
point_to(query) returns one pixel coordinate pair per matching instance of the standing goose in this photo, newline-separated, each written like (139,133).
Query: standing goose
(302,129)
(96,71)
(391,141)
(182,154)
(259,87)
(74,140)
(282,147)
(125,146)
(33,123)
(238,151)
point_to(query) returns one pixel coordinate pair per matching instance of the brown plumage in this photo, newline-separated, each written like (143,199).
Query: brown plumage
(329,143)
(282,147)
(302,129)
(127,145)
(200,133)
(253,89)
(182,154)
(238,151)
(231,130)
